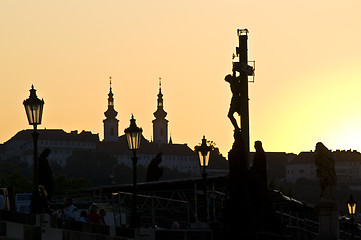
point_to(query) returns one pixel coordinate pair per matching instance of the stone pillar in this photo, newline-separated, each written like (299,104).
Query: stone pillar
(328,220)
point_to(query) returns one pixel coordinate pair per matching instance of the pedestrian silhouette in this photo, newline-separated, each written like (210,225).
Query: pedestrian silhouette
(154,172)
(45,173)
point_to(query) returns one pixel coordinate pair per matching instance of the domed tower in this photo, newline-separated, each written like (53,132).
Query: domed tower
(110,123)
(160,124)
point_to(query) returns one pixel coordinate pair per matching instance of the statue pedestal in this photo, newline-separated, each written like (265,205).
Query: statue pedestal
(328,220)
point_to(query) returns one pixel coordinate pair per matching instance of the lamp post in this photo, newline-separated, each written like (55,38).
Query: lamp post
(351,205)
(134,135)
(203,154)
(34,112)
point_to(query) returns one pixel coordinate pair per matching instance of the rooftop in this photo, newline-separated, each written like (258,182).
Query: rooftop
(338,155)
(56,134)
(146,147)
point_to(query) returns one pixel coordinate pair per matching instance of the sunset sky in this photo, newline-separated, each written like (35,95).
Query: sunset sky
(308,76)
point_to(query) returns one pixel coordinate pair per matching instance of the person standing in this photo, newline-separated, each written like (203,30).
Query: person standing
(45,174)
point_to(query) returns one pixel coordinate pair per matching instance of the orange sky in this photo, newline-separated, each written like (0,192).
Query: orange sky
(307,54)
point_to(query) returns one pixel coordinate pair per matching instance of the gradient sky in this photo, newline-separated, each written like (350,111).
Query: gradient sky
(306,90)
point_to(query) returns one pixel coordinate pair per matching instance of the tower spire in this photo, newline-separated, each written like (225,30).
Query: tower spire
(110,94)
(110,123)
(170,139)
(160,124)
(160,113)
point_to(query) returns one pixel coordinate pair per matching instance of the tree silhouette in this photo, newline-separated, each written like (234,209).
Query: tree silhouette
(65,185)
(92,165)
(18,181)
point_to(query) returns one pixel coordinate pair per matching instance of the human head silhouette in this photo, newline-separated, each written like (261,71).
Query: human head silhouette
(46,152)
(258,145)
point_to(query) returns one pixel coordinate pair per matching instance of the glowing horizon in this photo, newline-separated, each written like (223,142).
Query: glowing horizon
(307,68)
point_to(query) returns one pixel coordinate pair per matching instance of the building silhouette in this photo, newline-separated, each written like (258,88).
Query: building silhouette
(347,166)
(62,144)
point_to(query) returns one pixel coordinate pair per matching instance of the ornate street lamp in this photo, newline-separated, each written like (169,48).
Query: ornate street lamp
(203,154)
(351,205)
(34,111)
(34,108)
(134,135)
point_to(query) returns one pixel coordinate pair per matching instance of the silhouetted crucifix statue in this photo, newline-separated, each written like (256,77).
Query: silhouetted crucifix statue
(235,106)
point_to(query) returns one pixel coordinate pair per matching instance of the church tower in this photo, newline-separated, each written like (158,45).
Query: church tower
(160,124)
(110,123)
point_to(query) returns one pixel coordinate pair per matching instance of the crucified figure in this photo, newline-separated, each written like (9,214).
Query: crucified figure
(236,99)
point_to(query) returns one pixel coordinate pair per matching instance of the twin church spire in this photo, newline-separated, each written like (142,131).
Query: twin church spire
(160,124)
